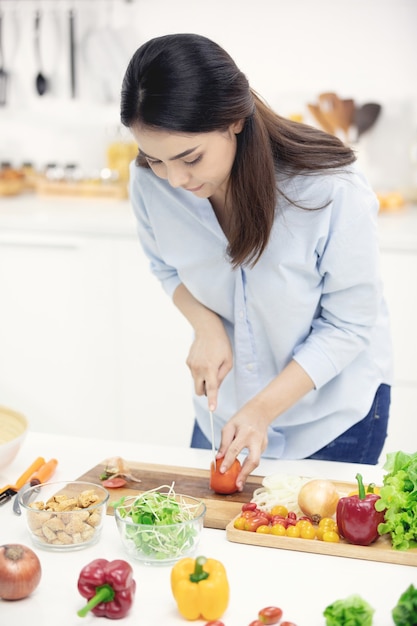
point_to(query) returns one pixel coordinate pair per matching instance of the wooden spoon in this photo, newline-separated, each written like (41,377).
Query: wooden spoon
(320,118)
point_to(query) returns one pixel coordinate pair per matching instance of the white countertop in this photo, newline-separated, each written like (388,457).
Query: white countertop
(302,584)
(104,217)
(94,217)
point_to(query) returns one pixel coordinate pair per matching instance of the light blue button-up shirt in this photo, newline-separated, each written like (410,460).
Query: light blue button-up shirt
(314,296)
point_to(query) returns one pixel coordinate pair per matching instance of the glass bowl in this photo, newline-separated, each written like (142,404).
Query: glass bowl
(63,516)
(156,542)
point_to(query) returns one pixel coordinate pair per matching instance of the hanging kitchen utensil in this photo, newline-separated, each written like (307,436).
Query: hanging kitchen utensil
(348,105)
(41,81)
(332,110)
(322,120)
(3,74)
(72,53)
(365,117)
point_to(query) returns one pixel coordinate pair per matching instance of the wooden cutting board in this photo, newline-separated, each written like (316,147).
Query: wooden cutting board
(189,481)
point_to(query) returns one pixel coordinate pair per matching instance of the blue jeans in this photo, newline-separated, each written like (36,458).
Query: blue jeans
(362,443)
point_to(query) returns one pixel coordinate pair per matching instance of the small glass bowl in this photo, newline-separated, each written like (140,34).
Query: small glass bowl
(161,544)
(64,516)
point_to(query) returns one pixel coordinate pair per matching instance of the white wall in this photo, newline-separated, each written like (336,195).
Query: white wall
(291,50)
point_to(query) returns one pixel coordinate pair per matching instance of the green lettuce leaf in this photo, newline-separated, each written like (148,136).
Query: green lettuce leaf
(399,500)
(351,611)
(405,611)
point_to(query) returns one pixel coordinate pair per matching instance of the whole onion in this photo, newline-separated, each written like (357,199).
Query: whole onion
(318,498)
(20,571)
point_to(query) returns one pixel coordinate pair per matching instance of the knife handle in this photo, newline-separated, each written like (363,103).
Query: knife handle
(23,479)
(44,473)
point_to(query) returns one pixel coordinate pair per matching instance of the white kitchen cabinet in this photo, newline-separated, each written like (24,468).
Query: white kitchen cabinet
(153,342)
(89,342)
(399,269)
(57,334)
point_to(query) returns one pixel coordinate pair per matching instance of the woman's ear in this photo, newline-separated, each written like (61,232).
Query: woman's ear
(237,127)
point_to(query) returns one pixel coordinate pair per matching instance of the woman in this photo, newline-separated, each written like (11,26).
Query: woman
(263,232)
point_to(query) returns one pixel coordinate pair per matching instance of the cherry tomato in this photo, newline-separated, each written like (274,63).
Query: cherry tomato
(239,523)
(216,622)
(293,531)
(279,509)
(249,506)
(224,483)
(263,529)
(270,615)
(114,483)
(308,531)
(331,536)
(257,622)
(278,530)
(287,624)
(254,522)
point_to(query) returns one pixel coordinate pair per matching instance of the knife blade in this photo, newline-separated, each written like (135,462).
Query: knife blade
(213,448)
(41,476)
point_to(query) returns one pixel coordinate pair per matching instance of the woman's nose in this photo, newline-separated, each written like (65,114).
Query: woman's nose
(177,177)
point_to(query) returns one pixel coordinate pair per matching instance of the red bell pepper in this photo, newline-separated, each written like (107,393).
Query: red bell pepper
(109,587)
(356,516)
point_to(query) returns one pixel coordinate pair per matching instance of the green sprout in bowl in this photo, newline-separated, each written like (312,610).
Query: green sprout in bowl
(159,523)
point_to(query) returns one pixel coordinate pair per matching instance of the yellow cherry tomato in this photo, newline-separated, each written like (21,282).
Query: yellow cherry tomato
(293,531)
(327,523)
(278,530)
(239,523)
(331,536)
(308,532)
(279,509)
(264,529)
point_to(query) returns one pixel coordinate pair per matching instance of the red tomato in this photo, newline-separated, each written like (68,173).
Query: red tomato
(270,615)
(114,483)
(287,624)
(256,622)
(224,483)
(216,622)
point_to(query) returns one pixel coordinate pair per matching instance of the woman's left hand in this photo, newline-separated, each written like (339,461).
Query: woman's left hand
(244,430)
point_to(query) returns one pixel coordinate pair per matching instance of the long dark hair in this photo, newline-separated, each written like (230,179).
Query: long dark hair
(187,83)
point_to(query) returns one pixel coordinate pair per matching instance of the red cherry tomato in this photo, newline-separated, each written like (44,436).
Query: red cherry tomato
(252,523)
(224,483)
(287,624)
(216,622)
(256,622)
(114,483)
(249,506)
(270,615)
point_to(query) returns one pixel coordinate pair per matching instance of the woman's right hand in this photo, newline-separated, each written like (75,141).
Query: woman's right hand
(210,358)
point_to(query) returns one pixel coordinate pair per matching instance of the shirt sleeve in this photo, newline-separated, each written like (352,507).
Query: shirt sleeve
(348,262)
(141,197)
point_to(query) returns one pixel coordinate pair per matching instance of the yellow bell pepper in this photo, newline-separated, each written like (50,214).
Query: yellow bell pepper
(200,587)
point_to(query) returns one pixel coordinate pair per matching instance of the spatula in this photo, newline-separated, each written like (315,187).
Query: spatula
(3,73)
(365,117)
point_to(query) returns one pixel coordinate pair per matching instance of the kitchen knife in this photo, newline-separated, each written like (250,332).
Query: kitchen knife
(213,449)
(41,476)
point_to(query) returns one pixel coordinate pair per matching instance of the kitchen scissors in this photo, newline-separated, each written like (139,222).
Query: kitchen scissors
(38,472)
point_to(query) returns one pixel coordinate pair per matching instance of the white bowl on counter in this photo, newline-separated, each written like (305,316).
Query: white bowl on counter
(13,430)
